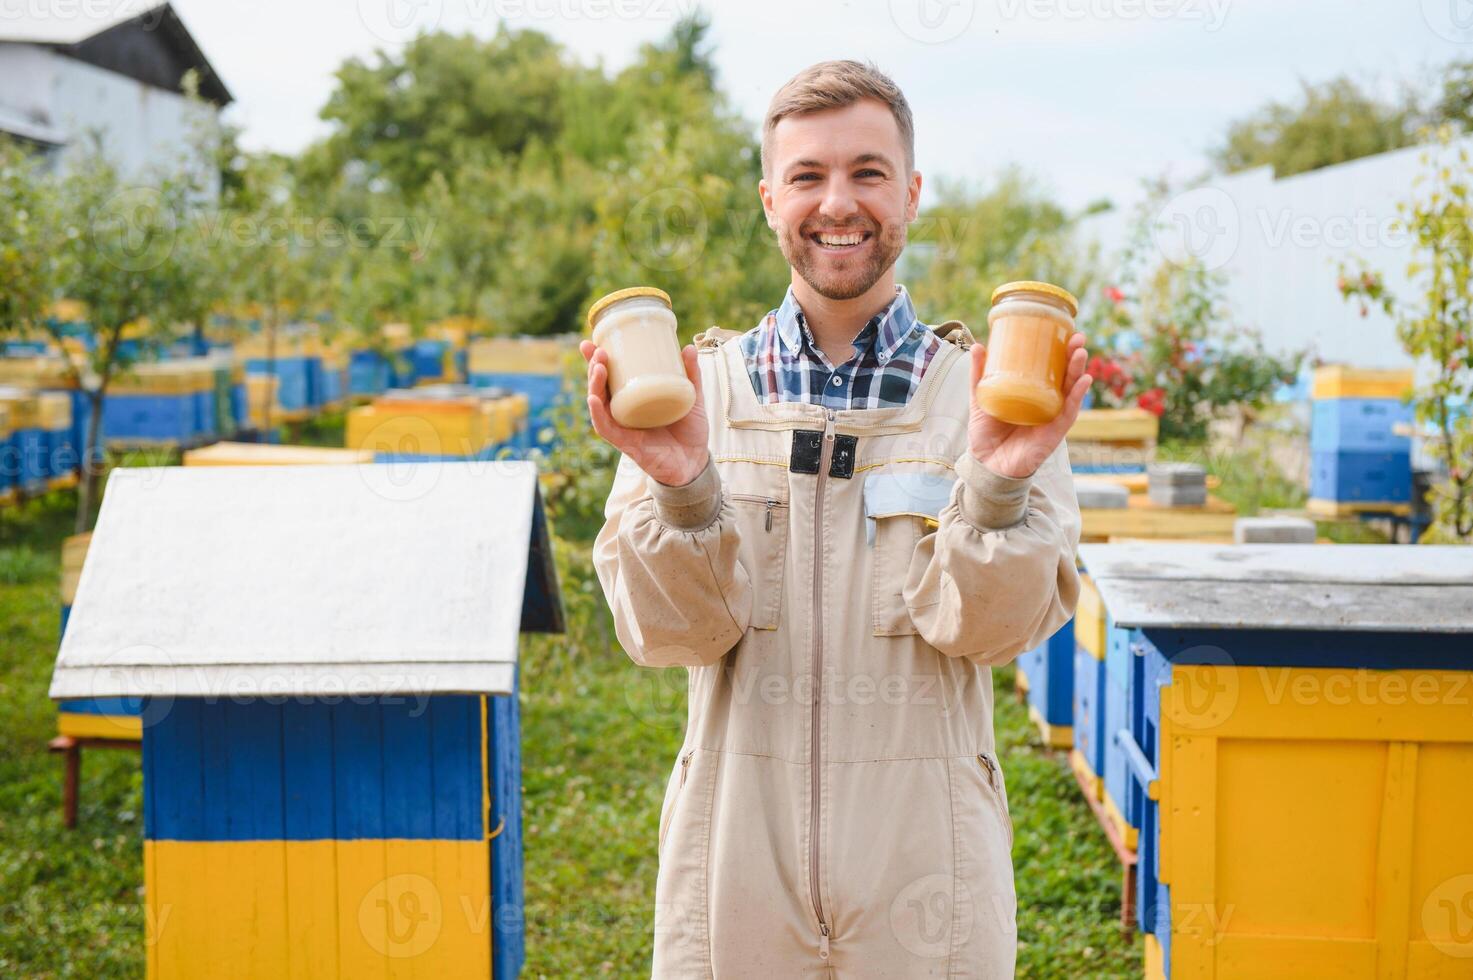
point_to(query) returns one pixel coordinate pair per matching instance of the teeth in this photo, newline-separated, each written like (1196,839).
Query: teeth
(838,240)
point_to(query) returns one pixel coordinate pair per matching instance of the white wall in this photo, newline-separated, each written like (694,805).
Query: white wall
(142,128)
(1280,242)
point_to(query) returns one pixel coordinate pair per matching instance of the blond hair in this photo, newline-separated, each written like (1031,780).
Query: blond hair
(834,85)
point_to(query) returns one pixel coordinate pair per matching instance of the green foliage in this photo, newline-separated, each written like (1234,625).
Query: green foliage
(1436,328)
(1165,342)
(27,238)
(972,241)
(1331,123)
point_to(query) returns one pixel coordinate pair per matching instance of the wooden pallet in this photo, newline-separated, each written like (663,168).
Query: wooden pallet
(71,749)
(1348,509)
(1144,519)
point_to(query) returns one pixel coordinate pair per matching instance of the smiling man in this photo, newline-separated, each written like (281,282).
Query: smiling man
(838,546)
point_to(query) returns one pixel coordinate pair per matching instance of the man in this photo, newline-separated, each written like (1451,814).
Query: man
(838,546)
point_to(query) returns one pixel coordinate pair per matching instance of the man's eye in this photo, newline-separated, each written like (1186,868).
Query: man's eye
(870,173)
(800,177)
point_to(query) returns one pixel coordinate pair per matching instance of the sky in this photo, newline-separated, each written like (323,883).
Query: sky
(1088,96)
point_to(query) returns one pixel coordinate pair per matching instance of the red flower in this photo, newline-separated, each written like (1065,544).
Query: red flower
(1114,295)
(1153,401)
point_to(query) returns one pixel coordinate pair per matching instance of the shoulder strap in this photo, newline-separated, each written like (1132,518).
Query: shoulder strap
(956,332)
(714,337)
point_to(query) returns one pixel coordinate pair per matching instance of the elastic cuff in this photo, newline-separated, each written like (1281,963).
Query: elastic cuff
(989,501)
(691,506)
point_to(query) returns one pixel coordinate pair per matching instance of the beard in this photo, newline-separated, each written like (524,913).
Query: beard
(846,277)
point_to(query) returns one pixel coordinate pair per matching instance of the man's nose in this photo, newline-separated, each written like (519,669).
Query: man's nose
(839,201)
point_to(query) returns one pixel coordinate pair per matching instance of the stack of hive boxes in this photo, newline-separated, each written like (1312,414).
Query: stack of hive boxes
(530,366)
(1113,440)
(166,404)
(436,422)
(26,447)
(1359,464)
(294,363)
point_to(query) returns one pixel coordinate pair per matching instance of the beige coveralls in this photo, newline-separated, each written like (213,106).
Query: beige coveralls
(837,808)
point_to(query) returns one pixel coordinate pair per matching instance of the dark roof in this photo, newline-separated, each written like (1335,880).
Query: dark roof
(153,47)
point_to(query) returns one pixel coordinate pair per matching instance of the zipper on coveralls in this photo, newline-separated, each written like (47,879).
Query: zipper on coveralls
(991,768)
(826,455)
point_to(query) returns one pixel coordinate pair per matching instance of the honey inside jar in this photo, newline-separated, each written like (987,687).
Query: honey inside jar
(1029,327)
(648,387)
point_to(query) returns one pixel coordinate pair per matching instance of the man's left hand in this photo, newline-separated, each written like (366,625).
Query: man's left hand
(1019,450)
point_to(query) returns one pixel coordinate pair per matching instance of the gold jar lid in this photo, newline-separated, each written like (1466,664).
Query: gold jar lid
(619,295)
(1029,286)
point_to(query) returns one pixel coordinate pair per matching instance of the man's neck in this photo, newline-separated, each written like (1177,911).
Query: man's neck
(835,323)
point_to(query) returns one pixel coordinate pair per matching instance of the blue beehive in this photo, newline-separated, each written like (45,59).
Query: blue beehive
(368,372)
(27,450)
(1049,669)
(294,382)
(1361,477)
(327,658)
(1297,754)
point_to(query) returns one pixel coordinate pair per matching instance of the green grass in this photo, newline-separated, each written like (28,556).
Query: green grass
(599,738)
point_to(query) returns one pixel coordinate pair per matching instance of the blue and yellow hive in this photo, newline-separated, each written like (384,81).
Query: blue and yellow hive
(331,763)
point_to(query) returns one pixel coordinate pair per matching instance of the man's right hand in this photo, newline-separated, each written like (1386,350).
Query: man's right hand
(674,454)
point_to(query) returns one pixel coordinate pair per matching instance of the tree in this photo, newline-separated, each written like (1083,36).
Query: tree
(27,240)
(1332,122)
(1437,327)
(120,256)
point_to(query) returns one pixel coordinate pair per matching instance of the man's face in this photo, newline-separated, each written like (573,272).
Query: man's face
(840,195)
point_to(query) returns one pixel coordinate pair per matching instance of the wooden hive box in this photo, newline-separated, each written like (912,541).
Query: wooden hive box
(1297,750)
(327,657)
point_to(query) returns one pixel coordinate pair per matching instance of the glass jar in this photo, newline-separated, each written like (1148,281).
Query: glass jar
(648,387)
(1029,327)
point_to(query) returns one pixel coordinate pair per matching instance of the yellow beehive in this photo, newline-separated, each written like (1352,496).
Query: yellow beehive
(260,394)
(55,410)
(179,377)
(24,408)
(431,428)
(73,554)
(519,355)
(1342,381)
(36,372)
(5,427)
(1115,425)
(266,454)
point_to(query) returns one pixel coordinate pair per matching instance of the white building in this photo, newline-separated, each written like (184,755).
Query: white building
(71,72)
(1281,242)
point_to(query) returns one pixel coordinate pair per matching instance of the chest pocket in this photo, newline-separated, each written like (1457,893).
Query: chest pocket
(762,516)
(899,509)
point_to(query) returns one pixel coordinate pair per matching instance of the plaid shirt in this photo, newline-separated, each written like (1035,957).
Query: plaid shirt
(891,354)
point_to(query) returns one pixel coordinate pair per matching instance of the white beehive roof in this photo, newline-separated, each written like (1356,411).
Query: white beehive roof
(310,580)
(1370,588)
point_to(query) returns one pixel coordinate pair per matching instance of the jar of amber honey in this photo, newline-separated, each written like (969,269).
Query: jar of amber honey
(648,387)
(1029,327)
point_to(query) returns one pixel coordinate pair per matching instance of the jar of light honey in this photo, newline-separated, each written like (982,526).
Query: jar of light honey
(1029,327)
(648,387)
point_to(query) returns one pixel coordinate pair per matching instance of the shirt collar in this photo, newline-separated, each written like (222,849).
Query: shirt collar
(886,329)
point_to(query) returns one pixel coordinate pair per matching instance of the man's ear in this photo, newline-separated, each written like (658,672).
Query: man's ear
(913,196)
(764,194)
